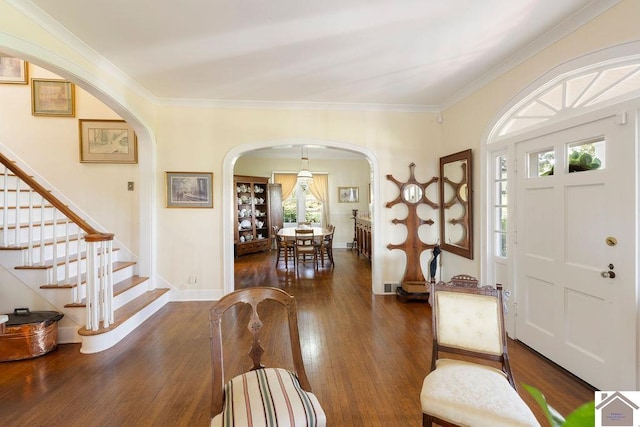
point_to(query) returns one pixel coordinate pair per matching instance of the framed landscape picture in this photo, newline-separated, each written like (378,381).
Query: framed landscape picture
(189,189)
(52,98)
(348,195)
(107,141)
(13,70)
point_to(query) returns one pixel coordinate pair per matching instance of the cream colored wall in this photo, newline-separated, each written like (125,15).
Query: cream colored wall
(341,173)
(467,122)
(50,146)
(197,139)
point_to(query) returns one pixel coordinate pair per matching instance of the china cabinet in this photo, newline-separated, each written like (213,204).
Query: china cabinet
(252,213)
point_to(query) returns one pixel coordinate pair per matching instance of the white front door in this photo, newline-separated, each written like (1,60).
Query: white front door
(573,230)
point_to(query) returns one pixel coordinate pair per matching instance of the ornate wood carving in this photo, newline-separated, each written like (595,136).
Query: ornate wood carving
(413,194)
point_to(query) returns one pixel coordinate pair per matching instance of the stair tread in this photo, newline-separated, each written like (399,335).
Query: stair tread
(118,288)
(73,281)
(50,263)
(125,312)
(25,245)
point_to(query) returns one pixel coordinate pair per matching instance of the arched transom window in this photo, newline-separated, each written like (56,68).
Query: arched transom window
(573,94)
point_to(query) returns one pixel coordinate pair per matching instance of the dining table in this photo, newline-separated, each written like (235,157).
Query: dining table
(289,233)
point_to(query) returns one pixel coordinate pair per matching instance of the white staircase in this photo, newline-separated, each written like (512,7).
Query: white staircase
(67,262)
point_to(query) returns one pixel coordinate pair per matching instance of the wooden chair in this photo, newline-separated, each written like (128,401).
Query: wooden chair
(326,246)
(263,396)
(285,249)
(469,321)
(305,247)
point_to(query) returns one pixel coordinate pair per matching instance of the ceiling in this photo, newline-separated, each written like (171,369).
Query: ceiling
(395,54)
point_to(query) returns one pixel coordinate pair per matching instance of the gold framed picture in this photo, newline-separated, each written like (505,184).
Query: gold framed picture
(52,98)
(107,141)
(189,189)
(348,195)
(13,70)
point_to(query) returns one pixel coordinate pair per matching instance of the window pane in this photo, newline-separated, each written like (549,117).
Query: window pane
(501,244)
(586,156)
(500,219)
(501,167)
(541,163)
(501,193)
(290,207)
(313,208)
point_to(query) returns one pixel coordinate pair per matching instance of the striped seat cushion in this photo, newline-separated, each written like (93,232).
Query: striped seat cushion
(268,397)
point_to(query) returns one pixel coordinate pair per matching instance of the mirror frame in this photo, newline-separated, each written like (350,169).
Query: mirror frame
(465,249)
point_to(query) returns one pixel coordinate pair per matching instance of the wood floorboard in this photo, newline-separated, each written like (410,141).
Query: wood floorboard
(366,356)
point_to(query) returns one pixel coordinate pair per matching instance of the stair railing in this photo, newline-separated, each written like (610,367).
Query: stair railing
(71,227)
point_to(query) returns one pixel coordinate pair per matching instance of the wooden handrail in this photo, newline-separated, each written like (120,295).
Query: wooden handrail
(95,235)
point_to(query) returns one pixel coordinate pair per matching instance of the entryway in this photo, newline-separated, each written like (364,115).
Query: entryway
(575,249)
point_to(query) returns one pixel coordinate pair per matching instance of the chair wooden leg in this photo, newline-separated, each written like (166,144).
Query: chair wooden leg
(427,421)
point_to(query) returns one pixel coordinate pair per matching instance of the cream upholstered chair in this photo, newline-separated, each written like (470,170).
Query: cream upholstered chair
(263,396)
(469,321)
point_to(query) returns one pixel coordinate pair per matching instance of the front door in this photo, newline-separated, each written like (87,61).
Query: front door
(576,250)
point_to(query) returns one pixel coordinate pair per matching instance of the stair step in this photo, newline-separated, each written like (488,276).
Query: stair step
(116,266)
(50,263)
(47,242)
(127,311)
(118,288)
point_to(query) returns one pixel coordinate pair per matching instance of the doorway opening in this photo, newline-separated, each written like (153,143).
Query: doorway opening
(373,199)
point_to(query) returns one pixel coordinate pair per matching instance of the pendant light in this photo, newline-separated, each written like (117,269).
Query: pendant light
(305,178)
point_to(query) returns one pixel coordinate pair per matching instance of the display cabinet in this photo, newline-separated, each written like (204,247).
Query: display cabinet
(252,214)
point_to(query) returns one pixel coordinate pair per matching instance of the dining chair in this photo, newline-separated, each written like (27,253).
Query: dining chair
(286,251)
(260,396)
(468,322)
(326,246)
(305,246)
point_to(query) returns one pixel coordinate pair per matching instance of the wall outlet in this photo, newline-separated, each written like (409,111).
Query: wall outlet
(388,287)
(193,279)
(130,185)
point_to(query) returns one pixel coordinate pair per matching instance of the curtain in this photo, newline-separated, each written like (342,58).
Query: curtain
(288,182)
(320,190)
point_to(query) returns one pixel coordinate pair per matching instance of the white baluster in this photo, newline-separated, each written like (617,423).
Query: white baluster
(30,229)
(42,225)
(5,211)
(66,250)
(17,210)
(92,288)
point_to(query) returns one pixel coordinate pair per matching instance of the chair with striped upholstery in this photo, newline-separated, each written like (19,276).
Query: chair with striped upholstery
(262,396)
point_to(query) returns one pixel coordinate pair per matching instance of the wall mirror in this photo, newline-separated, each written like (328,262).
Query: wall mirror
(456,213)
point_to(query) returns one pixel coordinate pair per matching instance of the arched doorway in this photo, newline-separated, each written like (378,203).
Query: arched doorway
(228,198)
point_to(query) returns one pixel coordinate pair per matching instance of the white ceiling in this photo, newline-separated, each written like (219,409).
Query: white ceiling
(386,53)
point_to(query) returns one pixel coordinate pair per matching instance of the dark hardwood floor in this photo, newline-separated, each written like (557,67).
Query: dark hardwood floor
(365,355)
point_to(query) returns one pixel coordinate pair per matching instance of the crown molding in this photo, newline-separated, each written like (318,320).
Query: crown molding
(572,23)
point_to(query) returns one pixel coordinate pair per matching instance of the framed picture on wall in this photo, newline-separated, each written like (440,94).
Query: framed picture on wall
(189,189)
(107,141)
(13,70)
(52,98)
(348,195)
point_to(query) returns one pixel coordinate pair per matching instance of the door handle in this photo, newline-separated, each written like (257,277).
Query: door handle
(608,274)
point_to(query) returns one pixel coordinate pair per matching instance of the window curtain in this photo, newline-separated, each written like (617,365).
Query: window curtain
(288,182)
(320,190)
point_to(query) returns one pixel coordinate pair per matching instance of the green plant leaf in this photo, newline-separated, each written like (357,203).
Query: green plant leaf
(584,416)
(542,402)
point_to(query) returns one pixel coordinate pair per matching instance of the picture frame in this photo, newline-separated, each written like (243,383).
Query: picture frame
(189,189)
(107,141)
(348,195)
(13,70)
(52,98)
